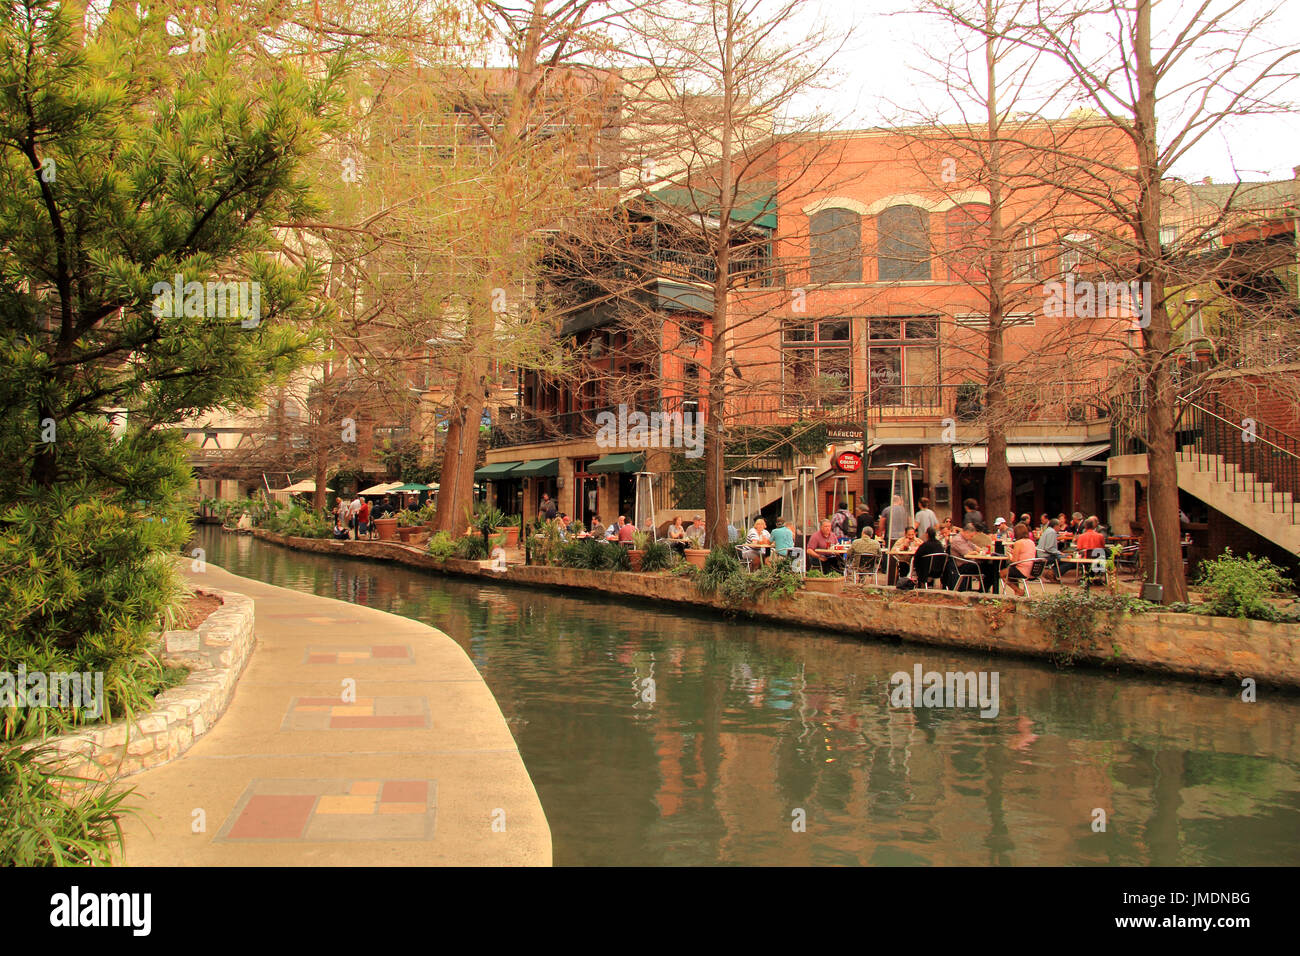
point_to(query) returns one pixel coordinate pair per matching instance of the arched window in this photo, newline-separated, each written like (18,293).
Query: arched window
(835,246)
(903,243)
(968,242)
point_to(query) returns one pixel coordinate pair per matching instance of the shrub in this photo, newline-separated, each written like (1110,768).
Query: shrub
(658,556)
(773,580)
(42,826)
(1240,587)
(1081,619)
(442,545)
(472,547)
(721,564)
(89,580)
(614,557)
(299,522)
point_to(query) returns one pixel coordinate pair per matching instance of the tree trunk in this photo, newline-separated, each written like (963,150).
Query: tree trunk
(460,453)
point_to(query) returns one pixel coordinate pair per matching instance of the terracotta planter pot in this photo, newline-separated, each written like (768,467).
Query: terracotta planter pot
(697,556)
(511,531)
(386,528)
(635,557)
(824,585)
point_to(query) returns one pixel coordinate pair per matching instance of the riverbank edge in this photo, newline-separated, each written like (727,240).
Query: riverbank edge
(216,652)
(1184,645)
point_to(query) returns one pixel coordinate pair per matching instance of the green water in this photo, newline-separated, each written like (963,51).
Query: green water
(752,727)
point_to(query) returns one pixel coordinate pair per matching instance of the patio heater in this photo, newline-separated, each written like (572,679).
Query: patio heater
(900,485)
(754,487)
(736,512)
(644,509)
(787,501)
(805,501)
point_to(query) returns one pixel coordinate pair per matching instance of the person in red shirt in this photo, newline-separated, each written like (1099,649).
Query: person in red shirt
(363,518)
(1090,538)
(625,529)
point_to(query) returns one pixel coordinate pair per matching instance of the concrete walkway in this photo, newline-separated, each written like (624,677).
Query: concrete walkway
(355,738)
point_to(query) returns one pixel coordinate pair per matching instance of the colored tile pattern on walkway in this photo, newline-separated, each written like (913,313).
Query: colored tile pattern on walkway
(364,713)
(333,810)
(360,654)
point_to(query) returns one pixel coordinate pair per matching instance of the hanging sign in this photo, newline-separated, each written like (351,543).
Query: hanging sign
(847,461)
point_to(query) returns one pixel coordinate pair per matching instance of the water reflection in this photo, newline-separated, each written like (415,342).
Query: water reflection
(745,725)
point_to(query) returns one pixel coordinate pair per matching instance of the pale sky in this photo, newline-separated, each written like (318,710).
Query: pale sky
(877,75)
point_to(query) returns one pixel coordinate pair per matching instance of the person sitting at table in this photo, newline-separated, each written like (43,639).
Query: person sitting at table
(931,559)
(756,541)
(625,530)
(783,544)
(1089,539)
(903,550)
(820,544)
(960,545)
(980,536)
(1049,549)
(677,534)
(597,526)
(866,543)
(696,531)
(562,525)
(1023,555)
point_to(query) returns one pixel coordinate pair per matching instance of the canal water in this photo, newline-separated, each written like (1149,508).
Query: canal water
(656,736)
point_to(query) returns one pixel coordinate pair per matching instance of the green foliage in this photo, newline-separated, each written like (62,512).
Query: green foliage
(640,539)
(1082,619)
(614,557)
(442,545)
(774,580)
(163,165)
(721,564)
(299,522)
(411,519)
(1240,587)
(658,556)
(472,547)
(40,826)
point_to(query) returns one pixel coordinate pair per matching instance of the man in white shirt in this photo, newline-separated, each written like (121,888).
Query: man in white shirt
(925,519)
(756,541)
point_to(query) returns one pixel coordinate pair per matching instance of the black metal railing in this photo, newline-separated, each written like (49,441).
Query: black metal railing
(1255,458)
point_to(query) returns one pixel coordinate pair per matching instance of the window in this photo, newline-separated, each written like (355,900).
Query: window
(1076,251)
(904,244)
(817,362)
(1023,264)
(980,320)
(836,246)
(903,361)
(968,242)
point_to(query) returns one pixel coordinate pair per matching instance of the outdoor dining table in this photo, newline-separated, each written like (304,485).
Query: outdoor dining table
(1080,561)
(989,562)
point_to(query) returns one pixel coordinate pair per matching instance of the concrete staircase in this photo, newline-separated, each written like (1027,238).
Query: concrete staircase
(1240,495)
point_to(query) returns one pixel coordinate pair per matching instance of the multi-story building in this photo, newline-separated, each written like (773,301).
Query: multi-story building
(862,306)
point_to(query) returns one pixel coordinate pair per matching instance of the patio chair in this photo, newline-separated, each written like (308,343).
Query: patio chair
(1035,573)
(1129,559)
(931,569)
(858,566)
(968,570)
(796,558)
(747,557)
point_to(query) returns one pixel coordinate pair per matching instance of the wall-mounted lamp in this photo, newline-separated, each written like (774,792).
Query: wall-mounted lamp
(559,482)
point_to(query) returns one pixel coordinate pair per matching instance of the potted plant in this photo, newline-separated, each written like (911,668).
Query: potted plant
(639,541)
(820,583)
(510,528)
(386,528)
(409,523)
(486,521)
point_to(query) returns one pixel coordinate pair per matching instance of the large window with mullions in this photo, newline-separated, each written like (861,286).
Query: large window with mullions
(816,363)
(903,361)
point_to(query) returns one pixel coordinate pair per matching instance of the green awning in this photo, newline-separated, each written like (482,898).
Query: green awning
(497,471)
(611,464)
(540,468)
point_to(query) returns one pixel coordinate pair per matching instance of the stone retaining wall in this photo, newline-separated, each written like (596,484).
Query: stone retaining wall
(216,652)
(1188,645)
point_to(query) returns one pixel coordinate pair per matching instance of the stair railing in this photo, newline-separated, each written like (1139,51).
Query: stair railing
(1262,455)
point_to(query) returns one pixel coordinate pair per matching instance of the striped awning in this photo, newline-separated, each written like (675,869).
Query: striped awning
(1029,456)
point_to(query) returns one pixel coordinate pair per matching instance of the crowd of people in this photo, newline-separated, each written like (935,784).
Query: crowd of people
(920,548)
